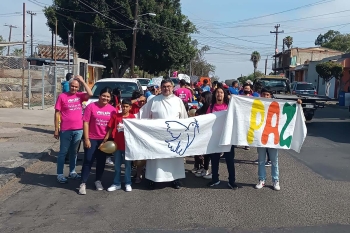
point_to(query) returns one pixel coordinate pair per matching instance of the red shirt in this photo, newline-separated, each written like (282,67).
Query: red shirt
(118,136)
(135,108)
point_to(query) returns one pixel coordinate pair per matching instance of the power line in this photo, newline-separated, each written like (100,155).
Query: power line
(105,15)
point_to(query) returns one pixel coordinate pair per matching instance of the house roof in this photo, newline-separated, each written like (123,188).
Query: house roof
(309,49)
(46,50)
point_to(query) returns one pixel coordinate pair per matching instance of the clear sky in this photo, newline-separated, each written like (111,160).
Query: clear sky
(232,29)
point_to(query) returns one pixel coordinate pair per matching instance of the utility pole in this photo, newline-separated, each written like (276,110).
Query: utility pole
(52,44)
(134,39)
(55,42)
(276,44)
(266,64)
(10,26)
(90,53)
(24,56)
(73,42)
(68,51)
(31,32)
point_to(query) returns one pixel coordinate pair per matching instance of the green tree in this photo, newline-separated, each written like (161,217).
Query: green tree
(2,48)
(329,70)
(163,41)
(334,40)
(17,53)
(255,58)
(199,65)
(251,77)
(288,41)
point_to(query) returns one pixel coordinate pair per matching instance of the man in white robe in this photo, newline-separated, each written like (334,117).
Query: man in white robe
(170,107)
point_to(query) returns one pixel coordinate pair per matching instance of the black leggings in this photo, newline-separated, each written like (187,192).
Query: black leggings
(206,162)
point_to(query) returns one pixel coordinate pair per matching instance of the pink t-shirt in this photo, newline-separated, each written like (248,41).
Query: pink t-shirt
(71,110)
(217,108)
(98,118)
(184,94)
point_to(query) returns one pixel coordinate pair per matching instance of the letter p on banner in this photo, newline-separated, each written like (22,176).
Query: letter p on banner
(257,107)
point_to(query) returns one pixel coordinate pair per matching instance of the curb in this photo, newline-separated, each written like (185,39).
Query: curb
(18,171)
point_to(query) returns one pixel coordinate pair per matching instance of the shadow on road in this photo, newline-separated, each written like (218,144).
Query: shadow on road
(39,130)
(333,131)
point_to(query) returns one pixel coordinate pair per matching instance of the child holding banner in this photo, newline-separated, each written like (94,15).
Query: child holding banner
(116,129)
(273,153)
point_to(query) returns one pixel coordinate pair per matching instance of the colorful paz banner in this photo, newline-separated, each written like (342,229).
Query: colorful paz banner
(249,121)
(261,122)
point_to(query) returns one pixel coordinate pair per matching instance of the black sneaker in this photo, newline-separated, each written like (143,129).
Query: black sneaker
(213,183)
(176,184)
(233,186)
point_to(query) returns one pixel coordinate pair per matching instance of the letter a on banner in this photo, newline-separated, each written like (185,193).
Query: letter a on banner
(257,107)
(274,109)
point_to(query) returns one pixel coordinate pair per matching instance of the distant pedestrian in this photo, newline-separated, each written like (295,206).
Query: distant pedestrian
(65,84)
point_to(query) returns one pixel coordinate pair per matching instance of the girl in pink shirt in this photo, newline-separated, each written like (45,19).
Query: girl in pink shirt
(220,102)
(96,118)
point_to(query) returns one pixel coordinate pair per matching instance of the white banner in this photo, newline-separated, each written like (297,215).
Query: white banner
(256,122)
(261,122)
(157,81)
(156,139)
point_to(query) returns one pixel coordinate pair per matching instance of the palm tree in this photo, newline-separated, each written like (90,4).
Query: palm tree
(255,58)
(288,41)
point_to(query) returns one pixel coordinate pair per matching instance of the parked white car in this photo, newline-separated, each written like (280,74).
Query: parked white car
(126,85)
(144,82)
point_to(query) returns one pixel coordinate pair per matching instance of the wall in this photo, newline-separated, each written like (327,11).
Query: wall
(304,55)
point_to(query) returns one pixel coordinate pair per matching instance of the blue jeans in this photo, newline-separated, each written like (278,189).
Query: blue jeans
(69,142)
(261,163)
(215,161)
(119,157)
(90,154)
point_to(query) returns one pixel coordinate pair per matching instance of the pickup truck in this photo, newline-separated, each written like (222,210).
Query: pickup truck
(310,103)
(281,89)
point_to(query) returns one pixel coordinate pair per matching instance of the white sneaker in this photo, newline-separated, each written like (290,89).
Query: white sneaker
(276,185)
(128,188)
(208,177)
(82,189)
(260,185)
(195,170)
(109,161)
(114,188)
(98,185)
(202,173)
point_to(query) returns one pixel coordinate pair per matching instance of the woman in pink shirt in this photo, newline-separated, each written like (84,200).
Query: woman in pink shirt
(183,93)
(69,109)
(96,118)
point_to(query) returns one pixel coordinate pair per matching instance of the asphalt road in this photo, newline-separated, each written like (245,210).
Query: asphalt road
(314,195)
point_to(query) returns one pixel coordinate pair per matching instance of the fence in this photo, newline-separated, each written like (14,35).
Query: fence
(44,84)
(12,79)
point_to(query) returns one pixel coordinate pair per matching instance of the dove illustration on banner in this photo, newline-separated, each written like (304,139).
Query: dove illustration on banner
(182,135)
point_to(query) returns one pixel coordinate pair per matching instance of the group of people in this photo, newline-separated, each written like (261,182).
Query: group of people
(102,121)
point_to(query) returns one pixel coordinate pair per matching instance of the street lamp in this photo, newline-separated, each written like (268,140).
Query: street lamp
(134,37)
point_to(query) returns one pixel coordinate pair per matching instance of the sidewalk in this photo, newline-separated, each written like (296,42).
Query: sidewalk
(25,137)
(27,116)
